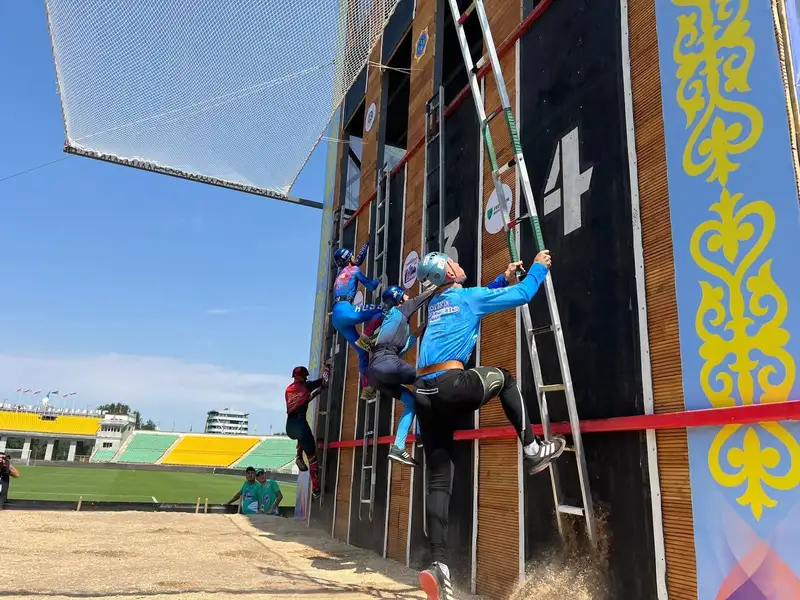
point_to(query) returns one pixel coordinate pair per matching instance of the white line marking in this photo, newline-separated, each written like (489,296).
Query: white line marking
(154,500)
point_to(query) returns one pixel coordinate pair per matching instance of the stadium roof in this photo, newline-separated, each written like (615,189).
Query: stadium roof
(235,93)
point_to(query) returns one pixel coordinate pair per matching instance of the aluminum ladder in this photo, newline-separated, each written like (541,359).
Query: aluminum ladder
(586,511)
(371,406)
(340,217)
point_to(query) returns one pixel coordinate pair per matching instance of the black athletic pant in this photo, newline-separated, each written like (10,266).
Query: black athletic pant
(298,429)
(438,401)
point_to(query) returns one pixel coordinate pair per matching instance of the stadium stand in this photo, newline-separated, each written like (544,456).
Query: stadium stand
(48,423)
(146,447)
(209,451)
(272,453)
(103,455)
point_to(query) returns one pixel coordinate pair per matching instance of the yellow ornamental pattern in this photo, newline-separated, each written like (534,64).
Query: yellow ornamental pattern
(740,319)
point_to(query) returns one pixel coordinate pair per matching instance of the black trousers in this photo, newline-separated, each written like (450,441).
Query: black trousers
(388,373)
(298,429)
(438,402)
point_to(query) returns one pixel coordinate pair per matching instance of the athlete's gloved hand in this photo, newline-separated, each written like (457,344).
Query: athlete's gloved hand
(514,272)
(543,258)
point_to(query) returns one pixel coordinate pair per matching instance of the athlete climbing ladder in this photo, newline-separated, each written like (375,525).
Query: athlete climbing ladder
(586,511)
(369,450)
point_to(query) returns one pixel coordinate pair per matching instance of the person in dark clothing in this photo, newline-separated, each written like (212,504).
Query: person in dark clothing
(298,396)
(446,389)
(388,372)
(7,471)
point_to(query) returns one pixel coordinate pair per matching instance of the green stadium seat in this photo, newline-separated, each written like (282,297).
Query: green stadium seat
(271,454)
(103,455)
(146,448)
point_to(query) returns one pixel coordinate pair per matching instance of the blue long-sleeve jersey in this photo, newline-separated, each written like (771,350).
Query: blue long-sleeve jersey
(454,316)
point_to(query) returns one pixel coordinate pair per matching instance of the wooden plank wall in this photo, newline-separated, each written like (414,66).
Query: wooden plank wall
(673,453)
(421,89)
(497,573)
(348,475)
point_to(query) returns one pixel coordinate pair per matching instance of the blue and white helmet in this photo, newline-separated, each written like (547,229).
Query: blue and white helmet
(393,295)
(341,257)
(433,268)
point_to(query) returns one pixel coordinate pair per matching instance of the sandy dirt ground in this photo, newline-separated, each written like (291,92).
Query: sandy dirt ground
(163,556)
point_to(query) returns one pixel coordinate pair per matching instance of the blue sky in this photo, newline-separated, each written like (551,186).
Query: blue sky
(120,285)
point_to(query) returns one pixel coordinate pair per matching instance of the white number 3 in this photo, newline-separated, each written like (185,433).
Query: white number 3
(450,234)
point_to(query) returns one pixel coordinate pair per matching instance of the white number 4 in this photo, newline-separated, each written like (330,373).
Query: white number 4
(575,182)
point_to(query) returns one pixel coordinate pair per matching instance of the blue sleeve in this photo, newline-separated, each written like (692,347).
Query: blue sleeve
(409,342)
(499,282)
(370,284)
(362,254)
(484,300)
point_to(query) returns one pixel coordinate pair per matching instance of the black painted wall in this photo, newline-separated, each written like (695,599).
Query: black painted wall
(571,76)
(461,205)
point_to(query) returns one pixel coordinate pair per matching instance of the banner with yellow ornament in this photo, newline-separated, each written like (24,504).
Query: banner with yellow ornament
(736,235)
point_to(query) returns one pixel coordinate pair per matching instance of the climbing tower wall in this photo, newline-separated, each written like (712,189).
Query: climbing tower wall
(591,83)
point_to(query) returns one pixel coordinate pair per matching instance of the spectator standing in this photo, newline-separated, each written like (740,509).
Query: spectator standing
(250,493)
(271,494)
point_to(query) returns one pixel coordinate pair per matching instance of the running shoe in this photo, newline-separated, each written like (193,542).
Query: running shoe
(368,393)
(364,342)
(548,451)
(400,455)
(435,582)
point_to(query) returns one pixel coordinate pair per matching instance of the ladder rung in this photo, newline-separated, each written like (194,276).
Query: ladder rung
(366,501)
(465,15)
(479,65)
(541,330)
(497,111)
(555,387)
(507,167)
(569,448)
(433,138)
(363,467)
(322,413)
(570,510)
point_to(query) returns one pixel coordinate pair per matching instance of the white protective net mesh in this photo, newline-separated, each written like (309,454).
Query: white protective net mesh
(230,92)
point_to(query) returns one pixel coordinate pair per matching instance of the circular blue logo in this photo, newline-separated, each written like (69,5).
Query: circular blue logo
(422,43)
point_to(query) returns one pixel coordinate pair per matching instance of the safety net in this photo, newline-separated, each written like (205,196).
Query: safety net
(234,93)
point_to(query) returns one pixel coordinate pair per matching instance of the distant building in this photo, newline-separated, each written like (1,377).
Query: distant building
(227,422)
(113,431)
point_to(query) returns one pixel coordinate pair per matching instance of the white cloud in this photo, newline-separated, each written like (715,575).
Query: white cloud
(161,388)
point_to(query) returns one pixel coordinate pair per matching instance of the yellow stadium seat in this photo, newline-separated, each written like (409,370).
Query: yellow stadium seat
(54,424)
(209,451)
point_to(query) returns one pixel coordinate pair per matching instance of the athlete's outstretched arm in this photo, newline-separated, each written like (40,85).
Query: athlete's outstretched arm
(485,300)
(314,384)
(499,282)
(362,254)
(409,307)
(370,284)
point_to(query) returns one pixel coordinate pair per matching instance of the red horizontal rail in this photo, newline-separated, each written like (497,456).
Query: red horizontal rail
(710,417)
(502,50)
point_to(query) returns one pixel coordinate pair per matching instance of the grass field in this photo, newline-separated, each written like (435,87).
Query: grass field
(120,485)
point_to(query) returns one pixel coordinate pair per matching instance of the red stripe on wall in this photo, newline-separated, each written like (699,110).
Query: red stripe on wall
(711,417)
